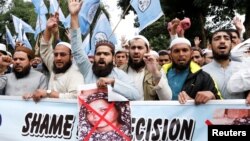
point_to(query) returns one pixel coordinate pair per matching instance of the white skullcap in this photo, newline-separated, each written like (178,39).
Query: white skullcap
(8,53)
(64,44)
(141,37)
(121,50)
(3,48)
(154,53)
(180,41)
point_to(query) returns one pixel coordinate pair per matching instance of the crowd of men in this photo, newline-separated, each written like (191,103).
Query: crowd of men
(181,72)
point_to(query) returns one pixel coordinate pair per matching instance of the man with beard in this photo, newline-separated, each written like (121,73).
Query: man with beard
(186,79)
(222,68)
(65,77)
(24,79)
(102,72)
(144,69)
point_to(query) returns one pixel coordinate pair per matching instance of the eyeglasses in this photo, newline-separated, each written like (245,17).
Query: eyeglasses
(62,54)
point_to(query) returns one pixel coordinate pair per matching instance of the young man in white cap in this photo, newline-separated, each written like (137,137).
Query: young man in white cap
(121,57)
(186,78)
(64,75)
(144,69)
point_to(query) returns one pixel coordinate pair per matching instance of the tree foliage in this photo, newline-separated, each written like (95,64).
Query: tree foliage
(21,9)
(25,11)
(221,12)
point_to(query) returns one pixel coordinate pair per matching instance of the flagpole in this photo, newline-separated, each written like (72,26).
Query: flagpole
(38,37)
(120,20)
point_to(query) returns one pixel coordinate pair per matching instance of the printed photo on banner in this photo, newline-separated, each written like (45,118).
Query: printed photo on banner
(100,119)
(231,117)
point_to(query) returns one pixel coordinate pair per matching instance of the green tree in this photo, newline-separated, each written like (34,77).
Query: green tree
(221,11)
(21,9)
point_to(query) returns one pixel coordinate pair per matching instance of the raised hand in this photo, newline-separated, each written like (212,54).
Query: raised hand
(197,41)
(237,23)
(74,6)
(152,66)
(5,60)
(52,23)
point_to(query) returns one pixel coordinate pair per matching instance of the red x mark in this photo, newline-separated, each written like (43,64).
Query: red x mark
(102,119)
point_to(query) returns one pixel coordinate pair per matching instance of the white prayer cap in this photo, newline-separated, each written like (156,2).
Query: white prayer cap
(180,40)
(141,37)
(64,44)
(154,53)
(8,53)
(3,48)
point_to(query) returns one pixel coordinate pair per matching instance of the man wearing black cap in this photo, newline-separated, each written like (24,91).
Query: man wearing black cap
(102,72)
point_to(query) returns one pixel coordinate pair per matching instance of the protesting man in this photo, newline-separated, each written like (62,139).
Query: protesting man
(186,79)
(143,68)
(102,72)
(222,67)
(24,79)
(64,75)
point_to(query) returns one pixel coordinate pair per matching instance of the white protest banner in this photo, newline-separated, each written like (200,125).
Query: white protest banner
(56,120)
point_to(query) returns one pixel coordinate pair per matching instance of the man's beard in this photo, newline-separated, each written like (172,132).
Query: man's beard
(63,69)
(25,72)
(136,66)
(102,71)
(221,57)
(181,66)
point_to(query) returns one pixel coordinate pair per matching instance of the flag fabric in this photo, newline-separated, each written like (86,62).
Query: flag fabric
(40,24)
(40,7)
(86,45)
(9,37)
(16,22)
(54,7)
(20,32)
(87,14)
(66,23)
(148,11)
(84,25)
(26,41)
(102,31)
(20,23)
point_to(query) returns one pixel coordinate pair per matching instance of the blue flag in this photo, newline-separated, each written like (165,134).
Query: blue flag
(87,14)
(18,23)
(40,24)
(9,37)
(40,7)
(54,7)
(102,31)
(26,41)
(66,23)
(86,45)
(148,11)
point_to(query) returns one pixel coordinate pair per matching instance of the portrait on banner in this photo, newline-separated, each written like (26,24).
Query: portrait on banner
(231,117)
(100,119)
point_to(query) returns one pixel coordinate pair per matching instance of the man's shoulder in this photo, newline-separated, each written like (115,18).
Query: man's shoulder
(35,73)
